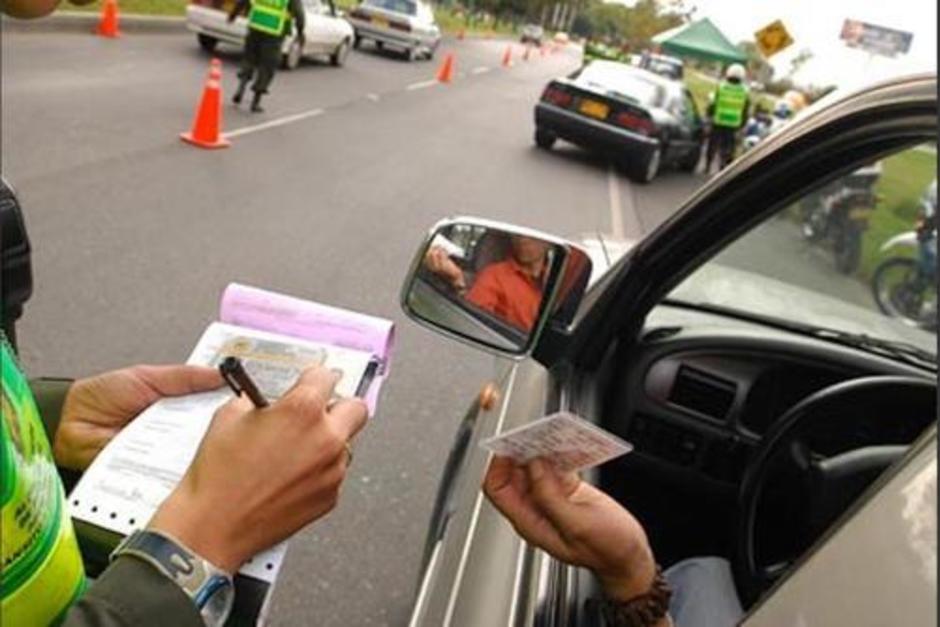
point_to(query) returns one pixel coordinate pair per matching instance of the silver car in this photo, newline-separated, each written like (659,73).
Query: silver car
(405,25)
(780,421)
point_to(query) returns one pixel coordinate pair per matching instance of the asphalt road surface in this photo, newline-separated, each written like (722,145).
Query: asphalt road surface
(136,234)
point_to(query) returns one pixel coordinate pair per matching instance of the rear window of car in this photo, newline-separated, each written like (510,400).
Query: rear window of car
(396,6)
(623,80)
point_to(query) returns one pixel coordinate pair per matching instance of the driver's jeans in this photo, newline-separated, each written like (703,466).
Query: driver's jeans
(703,593)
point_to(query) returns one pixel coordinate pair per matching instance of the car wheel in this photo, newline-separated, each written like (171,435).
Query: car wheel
(645,170)
(357,41)
(338,58)
(291,59)
(429,55)
(412,54)
(379,45)
(544,139)
(207,42)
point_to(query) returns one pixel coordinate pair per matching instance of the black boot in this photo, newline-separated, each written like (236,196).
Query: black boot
(256,104)
(240,92)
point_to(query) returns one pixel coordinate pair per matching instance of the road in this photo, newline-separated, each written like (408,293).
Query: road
(135,235)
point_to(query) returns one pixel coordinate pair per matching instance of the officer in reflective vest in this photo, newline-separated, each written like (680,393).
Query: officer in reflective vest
(728,113)
(269,22)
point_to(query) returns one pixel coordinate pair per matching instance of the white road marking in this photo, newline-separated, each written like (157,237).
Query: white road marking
(287,119)
(624,221)
(421,85)
(372,97)
(480,70)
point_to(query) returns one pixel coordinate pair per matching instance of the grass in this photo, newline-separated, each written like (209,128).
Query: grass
(904,177)
(137,7)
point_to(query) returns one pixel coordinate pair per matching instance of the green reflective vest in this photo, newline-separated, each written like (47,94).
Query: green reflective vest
(269,16)
(42,568)
(729,104)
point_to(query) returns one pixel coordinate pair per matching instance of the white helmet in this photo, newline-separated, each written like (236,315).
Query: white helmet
(735,71)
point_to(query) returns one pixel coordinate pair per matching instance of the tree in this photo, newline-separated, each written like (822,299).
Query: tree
(758,68)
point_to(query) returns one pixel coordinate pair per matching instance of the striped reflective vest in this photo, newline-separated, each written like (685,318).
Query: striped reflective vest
(42,568)
(729,104)
(269,16)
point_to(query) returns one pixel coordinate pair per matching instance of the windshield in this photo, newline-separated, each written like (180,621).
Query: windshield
(396,6)
(857,255)
(624,80)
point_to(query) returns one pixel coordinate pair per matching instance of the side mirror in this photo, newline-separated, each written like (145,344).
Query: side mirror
(494,286)
(16,282)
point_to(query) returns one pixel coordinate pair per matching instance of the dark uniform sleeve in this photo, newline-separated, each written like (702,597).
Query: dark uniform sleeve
(131,593)
(297,12)
(239,8)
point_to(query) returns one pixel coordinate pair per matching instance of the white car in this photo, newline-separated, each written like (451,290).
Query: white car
(327,33)
(406,25)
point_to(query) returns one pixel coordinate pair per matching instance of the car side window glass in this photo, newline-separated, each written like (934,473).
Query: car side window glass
(855,255)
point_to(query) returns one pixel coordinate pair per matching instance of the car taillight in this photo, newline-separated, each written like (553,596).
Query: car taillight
(556,96)
(634,122)
(405,26)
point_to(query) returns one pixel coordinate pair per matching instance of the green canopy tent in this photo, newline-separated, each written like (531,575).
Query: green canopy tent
(701,40)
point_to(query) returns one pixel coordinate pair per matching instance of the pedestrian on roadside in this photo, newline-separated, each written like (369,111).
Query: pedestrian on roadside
(728,114)
(269,22)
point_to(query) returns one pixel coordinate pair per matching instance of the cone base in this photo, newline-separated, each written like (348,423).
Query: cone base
(109,35)
(188,137)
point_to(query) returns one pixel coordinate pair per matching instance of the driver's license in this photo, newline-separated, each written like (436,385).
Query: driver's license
(565,440)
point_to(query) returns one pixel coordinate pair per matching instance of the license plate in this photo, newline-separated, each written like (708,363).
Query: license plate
(594,109)
(380,21)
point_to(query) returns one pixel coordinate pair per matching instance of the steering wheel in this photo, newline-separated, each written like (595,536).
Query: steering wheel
(828,486)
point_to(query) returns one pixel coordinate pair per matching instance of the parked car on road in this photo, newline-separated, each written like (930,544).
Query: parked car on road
(637,118)
(779,421)
(664,65)
(532,34)
(405,25)
(327,33)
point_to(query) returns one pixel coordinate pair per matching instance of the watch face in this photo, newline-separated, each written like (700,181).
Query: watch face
(218,605)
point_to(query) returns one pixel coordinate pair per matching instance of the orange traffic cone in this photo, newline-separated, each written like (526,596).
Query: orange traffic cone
(507,57)
(446,72)
(108,25)
(525,55)
(207,125)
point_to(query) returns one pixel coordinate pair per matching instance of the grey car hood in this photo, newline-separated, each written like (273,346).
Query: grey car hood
(723,286)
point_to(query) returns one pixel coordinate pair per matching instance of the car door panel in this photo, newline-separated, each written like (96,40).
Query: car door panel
(480,559)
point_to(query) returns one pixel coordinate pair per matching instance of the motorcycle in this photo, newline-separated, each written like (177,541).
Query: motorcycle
(838,215)
(904,285)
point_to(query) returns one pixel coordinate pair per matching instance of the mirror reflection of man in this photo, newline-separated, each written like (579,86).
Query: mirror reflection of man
(510,289)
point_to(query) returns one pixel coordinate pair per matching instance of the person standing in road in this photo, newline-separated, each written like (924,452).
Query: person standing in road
(728,113)
(269,21)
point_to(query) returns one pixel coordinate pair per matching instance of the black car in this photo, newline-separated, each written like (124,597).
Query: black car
(634,116)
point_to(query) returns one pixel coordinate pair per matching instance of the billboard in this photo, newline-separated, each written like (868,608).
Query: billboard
(875,39)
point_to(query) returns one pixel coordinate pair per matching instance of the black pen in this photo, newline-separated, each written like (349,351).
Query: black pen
(234,374)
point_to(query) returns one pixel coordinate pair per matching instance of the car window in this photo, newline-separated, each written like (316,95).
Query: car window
(398,6)
(624,80)
(690,108)
(857,255)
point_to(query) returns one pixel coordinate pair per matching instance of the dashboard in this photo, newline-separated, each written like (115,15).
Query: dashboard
(702,397)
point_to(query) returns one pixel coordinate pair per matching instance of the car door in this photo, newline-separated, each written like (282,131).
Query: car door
(317,29)
(477,570)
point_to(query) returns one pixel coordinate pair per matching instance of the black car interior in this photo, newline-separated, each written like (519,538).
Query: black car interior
(700,408)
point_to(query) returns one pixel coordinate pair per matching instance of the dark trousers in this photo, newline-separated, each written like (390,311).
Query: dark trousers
(721,142)
(261,57)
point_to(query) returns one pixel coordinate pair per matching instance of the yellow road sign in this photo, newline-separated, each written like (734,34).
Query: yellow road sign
(773,38)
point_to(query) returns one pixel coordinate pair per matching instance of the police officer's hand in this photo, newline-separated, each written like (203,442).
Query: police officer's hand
(98,407)
(260,475)
(574,522)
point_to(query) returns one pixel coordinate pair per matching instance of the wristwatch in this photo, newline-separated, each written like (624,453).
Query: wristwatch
(645,610)
(209,587)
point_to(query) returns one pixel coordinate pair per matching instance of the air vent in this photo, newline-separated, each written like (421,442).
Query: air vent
(703,393)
